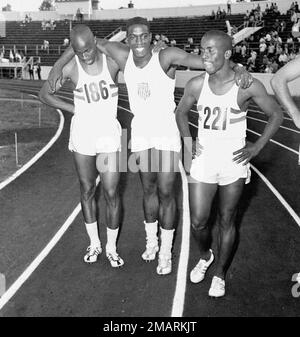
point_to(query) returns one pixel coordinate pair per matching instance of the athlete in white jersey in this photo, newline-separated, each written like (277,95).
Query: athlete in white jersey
(95,135)
(151,97)
(150,79)
(221,131)
(221,156)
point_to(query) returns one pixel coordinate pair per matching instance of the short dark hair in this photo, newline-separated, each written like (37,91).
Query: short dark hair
(137,20)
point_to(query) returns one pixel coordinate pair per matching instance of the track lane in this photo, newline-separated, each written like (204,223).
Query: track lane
(259,229)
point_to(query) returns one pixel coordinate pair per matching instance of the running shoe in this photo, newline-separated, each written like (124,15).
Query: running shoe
(217,288)
(198,273)
(164,264)
(115,260)
(150,252)
(92,254)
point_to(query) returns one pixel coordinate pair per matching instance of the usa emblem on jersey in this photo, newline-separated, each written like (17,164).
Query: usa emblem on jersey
(143,90)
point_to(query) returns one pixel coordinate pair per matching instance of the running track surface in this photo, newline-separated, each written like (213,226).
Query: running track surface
(36,205)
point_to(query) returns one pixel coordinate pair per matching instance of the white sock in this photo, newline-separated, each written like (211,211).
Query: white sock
(111,245)
(151,232)
(92,230)
(166,241)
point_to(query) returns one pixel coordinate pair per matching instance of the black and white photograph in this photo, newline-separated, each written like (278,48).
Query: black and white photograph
(149,163)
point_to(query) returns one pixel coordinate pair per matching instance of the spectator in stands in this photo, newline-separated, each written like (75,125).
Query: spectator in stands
(18,57)
(246,19)
(274,65)
(290,41)
(43,24)
(282,26)
(173,43)
(262,47)
(219,13)
(38,70)
(229,7)
(268,68)
(79,15)
(190,41)
(292,55)
(164,38)
(268,37)
(223,14)
(292,8)
(196,50)
(30,70)
(251,20)
(296,7)
(213,15)
(238,49)
(294,17)
(11,56)
(278,49)
(66,42)
(52,24)
(271,50)
(276,25)
(156,39)
(28,18)
(45,45)
(283,58)
(244,49)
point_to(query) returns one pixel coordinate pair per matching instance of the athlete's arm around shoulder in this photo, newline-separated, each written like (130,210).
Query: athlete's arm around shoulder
(46,94)
(190,97)
(175,56)
(118,51)
(279,83)
(258,93)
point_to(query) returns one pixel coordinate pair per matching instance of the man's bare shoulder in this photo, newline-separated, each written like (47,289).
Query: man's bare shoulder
(196,83)
(68,68)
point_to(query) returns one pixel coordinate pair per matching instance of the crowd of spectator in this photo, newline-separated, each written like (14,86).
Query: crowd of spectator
(48,24)
(274,47)
(11,55)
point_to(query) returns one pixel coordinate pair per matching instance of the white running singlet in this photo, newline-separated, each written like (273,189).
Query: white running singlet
(221,131)
(151,97)
(94,127)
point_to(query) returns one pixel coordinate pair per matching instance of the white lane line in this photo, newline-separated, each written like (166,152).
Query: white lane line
(261,113)
(10,292)
(275,142)
(278,195)
(38,155)
(179,297)
(265,122)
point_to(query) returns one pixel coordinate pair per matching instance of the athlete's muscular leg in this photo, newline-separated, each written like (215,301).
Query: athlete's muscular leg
(200,197)
(148,177)
(166,179)
(229,197)
(108,167)
(87,174)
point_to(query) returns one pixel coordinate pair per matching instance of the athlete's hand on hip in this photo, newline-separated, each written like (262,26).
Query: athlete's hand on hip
(196,148)
(158,46)
(54,80)
(245,154)
(242,77)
